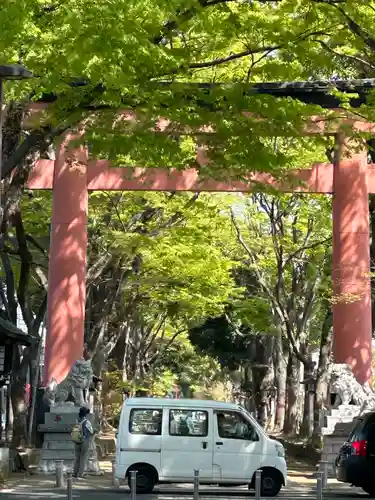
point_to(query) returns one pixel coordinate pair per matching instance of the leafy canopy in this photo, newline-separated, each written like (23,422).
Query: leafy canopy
(183,271)
(134,54)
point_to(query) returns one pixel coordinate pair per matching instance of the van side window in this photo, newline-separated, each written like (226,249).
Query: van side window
(188,423)
(144,421)
(232,425)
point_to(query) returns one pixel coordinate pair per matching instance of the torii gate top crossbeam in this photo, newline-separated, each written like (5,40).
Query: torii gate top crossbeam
(102,177)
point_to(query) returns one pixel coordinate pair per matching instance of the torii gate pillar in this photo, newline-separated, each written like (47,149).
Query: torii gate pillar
(352,329)
(67,263)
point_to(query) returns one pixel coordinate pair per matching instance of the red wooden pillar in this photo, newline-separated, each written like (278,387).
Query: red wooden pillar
(351,262)
(67,264)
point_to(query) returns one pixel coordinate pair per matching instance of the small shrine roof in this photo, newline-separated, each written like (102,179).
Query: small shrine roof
(8,331)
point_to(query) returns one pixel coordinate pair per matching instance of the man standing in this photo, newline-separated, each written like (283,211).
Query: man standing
(82,434)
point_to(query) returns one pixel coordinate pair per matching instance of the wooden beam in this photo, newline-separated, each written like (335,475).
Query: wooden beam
(102,177)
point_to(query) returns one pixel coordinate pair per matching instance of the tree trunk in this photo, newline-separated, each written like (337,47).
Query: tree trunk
(19,407)
(280,360)
(33,372)
(9,415)
(125,374)
(308,399)
(304,431)
(292,415)
(2,411)
(246,389)
(263,376)
(322,379)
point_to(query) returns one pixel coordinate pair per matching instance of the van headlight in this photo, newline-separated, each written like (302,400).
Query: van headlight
(280,450)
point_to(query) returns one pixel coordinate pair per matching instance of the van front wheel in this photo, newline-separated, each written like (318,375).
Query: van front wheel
(145,480)
(271,483)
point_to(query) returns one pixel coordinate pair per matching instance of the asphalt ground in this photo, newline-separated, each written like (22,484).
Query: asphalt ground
(100,488)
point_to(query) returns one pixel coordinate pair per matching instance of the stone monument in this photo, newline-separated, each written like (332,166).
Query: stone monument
(351,400)
(58,422)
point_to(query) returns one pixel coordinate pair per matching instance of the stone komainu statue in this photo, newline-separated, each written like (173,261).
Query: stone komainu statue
(76,385)
(348,390)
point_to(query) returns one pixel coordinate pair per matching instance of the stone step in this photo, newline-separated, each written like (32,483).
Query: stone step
(56,436)
(340,429)
(344,426)
(333,421)
(342,433)
(49,467)
(332,412)
(57,454)
(336,439)
(65,450)
(332,448)
(46,466)
(55,428)
(58,445)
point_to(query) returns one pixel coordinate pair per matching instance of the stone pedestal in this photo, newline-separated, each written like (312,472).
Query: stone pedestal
(338,424)
(58,444)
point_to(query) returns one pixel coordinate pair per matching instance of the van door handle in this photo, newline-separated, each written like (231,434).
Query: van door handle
(204,445)
(219,443)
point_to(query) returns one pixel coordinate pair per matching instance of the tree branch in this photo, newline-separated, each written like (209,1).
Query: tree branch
(346,56)
(304,248)
(216,2)
(42,277)
(157,356)
(26,259)
(154,335)
(98,267)
(10,287)
(37,245)
(353,26)
(275,296)
(249,252)
(40,316)
(233,57)
(37,141)
(186,15)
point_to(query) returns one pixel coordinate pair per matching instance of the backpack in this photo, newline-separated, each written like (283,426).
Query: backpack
(77,433)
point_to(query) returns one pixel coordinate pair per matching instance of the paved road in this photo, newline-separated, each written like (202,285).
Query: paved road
(88,492)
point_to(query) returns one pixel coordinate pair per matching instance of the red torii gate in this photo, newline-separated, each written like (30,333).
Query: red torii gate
(349,180)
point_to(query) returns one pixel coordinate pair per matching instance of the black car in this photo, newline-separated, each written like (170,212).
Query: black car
(355,463)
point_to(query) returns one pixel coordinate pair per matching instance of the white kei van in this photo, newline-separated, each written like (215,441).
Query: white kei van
(164,440)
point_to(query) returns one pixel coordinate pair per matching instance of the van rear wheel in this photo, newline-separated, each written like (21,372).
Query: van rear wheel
(271,482)
(145,480)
